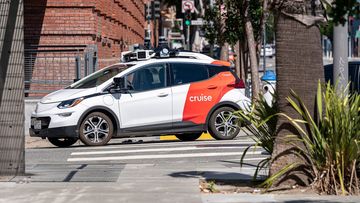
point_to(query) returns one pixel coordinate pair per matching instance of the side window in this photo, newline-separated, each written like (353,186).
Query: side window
(147,78)
(186,72)
(213,70)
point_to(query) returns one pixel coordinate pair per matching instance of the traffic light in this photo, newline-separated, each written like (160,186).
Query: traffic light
(148,12)
(155,6)
(188,17)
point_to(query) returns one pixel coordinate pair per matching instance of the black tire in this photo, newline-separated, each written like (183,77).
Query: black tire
(96,129)
(189,136)
(222,125)
(62,142)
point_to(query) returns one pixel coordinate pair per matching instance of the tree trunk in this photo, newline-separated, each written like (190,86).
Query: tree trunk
(299,67)
(12,159)
(237,59)
(242,64)
(255,83)
(224,53)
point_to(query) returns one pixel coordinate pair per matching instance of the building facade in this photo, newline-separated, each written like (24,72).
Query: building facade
(59,33)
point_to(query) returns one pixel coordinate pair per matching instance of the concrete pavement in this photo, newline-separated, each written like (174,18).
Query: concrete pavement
(53,178)
(269,198)
(158,183)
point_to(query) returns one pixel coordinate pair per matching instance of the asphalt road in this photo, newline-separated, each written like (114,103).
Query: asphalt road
(104,164)
(141,172)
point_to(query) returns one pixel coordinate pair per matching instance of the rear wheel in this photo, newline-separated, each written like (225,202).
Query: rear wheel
(189,136)
(223,124)
(62,142)
(96,129)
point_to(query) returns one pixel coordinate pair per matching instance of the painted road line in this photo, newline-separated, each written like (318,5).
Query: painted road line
(168,144)
(204,136)
(154,150)
(162,156)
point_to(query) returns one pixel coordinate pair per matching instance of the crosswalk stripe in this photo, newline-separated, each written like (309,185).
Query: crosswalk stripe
(154,150)
(161,156)
(168,144)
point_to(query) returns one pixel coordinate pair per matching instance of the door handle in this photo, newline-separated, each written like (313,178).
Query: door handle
(164,94)
(212,87)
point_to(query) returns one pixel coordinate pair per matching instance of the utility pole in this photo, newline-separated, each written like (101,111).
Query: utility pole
(12,138)
(341,67)
(188,24)
(156,16)
(148,17)
(264,44)
(188,38)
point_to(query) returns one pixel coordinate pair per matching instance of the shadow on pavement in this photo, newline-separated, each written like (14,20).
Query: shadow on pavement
(213,175)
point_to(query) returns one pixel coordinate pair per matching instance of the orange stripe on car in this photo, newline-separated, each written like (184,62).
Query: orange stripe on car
(203,95)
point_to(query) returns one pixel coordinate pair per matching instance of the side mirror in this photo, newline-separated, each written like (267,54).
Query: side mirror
(119,85)
(120,82)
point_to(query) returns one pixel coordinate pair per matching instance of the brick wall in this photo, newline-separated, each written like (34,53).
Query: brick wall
(111,25)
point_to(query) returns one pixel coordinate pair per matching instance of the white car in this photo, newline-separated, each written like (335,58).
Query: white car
(269,51)
(185,97)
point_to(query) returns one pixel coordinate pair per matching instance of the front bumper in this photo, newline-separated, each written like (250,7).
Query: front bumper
(61,132)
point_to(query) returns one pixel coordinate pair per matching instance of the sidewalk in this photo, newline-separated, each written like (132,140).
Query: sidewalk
(245,197)
(151,183)
(135,183)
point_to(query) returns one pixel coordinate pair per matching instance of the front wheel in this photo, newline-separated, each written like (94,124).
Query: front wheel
(96,129)
(189,136)
(223,124)
(62,142)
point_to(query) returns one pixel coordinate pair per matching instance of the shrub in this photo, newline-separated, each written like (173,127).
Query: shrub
(262,122)
(330,150)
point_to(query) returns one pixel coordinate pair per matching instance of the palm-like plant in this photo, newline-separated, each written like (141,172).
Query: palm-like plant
(331,149)
(262,128)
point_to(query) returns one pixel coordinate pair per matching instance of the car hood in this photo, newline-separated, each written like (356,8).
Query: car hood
(66,94)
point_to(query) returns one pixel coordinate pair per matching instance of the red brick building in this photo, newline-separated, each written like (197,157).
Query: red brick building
(108,25)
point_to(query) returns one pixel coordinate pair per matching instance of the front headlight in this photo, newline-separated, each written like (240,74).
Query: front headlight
(70,103)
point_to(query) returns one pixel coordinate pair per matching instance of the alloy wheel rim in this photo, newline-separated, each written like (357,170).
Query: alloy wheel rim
(226,123)
(96,129)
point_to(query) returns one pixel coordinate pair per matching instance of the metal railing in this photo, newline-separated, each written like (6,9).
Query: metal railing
(49,68)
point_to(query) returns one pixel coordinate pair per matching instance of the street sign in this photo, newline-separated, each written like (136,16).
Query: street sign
(199,21)
(187,5)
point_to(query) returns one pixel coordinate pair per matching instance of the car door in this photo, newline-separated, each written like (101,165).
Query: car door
(149,100)
(184,76)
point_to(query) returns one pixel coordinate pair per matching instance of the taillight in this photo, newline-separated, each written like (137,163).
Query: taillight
(237,84)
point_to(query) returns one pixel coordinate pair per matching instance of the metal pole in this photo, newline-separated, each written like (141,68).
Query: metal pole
(12,132)
(78,67)
(188,37)
(341,67)
(264,43)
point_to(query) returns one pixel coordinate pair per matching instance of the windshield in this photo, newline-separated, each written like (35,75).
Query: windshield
(99,78)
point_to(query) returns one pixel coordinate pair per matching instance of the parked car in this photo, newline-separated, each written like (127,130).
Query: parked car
(354,75)
(180,96)
(269,51)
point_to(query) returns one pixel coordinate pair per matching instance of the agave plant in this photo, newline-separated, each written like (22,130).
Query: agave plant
(262,121)
(331,149)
